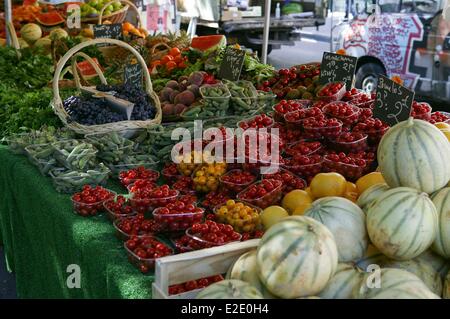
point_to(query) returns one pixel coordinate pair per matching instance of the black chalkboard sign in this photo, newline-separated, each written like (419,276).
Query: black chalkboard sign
(393,101)
(133,75)
(232,63)
(337,67)
(111,31)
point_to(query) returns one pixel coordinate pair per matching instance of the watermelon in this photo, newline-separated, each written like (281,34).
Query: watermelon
(342,284)
(296,257)
(441,200)
(369,195)
(245,269)
(438,263)
(49,19)
(393,284)
(421,269)
(416,154)
(208,43)
(86,69)
(402,223)
(230,289)
(446,292)
(346,221)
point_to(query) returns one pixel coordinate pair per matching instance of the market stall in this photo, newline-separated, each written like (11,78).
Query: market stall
(94,184)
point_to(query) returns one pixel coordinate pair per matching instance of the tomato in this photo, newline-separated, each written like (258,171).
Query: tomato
(171,65)
(174,51)
(178,58)
(182,65)
(166,59)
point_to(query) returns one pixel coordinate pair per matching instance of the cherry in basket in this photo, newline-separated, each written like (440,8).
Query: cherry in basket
(287,106)
(319,129)
(350,142)
(289,180)
(170,173)
(193,285)
(351,94)
(90,200)
(210,234)
(294,120)
(347,113)
(437,117)
(142,252)
(262,194)
(184,185)
(304,166)
(236,180)
(259,121)
(421,111)
(213,199)
(132,175)
(178,216)
(135,226)
(349,167)
(304,148)
(332,91)
(118,207)
(146,198)
(374,128)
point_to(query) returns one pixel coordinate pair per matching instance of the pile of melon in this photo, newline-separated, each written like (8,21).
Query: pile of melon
(394,242)
(31,36)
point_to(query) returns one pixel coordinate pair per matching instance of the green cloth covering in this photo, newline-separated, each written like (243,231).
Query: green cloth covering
(42,236)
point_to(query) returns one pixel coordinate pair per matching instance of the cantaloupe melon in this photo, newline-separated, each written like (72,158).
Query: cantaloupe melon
(342,284)
(31,32)
(230,289)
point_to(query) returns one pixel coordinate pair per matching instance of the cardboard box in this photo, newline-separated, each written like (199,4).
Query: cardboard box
(231,15)
(255,11)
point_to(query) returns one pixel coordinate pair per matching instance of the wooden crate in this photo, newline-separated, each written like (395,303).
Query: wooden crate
(194,265)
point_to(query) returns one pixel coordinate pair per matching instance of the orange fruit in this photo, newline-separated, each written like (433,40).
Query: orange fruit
(328,184)
(368,180)
(174,51)
(127,26)
(296,199)
(351,191)
(272,215)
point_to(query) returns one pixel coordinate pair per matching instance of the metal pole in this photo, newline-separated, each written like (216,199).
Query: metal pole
(8,18)
(265,43)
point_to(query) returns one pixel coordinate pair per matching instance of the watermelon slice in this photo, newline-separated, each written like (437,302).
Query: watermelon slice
(209,43)
(49,19)
(30,3)
(86,69)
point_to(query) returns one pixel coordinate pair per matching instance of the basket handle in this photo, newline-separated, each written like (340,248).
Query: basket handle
(13,35)
(82,45)
(159,45)
(76,75)
(129,3)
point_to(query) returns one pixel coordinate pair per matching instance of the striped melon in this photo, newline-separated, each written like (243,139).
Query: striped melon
(370,195)
(421,269)
(446,292)
(391,283)
(372,256)
(296,257)
(402,223)
(346,221)
(230,289)
(438,263)
(342,284)
(416,154)
(441,244)
(245,269)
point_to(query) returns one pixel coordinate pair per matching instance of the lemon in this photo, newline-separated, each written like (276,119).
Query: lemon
(328,184)
(272,215)
(294,199)
(369,180)
(300,209)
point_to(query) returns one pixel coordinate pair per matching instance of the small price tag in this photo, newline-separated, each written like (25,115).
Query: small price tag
(133,75)
(393,102)
(232,63)
(337,67)
(110,31)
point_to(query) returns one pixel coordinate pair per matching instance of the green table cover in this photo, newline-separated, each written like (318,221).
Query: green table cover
(42,236)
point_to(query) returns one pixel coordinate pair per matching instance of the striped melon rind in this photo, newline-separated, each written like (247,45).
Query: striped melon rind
(342,284)
(402,223)
(391,283)
(438,263)
(370,195)
(296,257)
(346,221)
(441,244)
(446,292)
(372,256)
(245,269)
(416,154)
(421,269)
(230,289)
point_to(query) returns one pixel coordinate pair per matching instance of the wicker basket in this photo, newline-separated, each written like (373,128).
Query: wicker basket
(57,103)
(110,52)
(115,17)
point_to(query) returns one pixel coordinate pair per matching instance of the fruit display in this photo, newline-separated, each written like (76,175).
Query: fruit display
(342,217)
(243,217)
(230,289)
(346,278)
(395,235)
(421,111)
(368,196)
(236,180)
(332,91)
(256,122)
(75,155)
(262,194)
(112,147)
(142,252)
(208,42)
(289,180)
(299,247)
(135,227)
(244,98)
(129,177)
(92,8)
(118,208)
(412,144)
(144,199)
(210,234)
(216,99)
(69,181)
(41,155)
(193,285)
(206,178)
(177,216)
(90,200)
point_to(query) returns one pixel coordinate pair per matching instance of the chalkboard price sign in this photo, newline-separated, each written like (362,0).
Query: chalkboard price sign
(111,31)
(232,63)
(338,67)
(393,101)
(133,75)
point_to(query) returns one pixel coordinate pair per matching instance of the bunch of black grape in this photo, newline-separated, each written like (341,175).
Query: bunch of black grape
(90,111)
(143,106)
